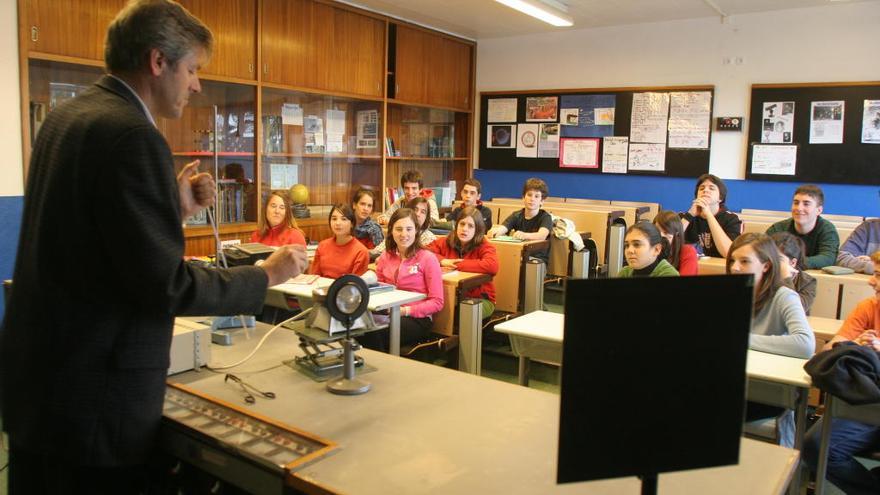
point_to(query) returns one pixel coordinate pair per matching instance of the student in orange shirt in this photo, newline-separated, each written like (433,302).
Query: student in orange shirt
(468,250)
(342,253)
(277,227)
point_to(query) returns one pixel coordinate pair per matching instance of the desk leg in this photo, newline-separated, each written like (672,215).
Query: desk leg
(524,362)
(800,422)
(823,445)
(394,331)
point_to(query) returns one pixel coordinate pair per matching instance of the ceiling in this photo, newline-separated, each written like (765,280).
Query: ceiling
(481,19)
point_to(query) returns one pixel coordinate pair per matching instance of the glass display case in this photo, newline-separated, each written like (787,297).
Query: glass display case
(330,144)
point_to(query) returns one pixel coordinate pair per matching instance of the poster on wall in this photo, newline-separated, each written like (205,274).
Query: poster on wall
(527,140)
(614,154)
(595,115)
(367,129)
(568,116)
(501,110)
(647,157)
(548,141)
(777,122)
(689,119)
(774,159)
(579,152)
(871,122)
(650,112)
(541,108)
(501,136)
(826,122)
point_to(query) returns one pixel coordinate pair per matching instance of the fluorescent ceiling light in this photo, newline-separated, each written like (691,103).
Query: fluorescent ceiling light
(541,10)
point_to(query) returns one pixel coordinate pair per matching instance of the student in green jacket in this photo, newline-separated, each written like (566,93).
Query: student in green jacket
(819,235)
(644,250)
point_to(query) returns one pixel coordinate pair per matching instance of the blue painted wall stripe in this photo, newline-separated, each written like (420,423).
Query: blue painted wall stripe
(10,226)
(676,193)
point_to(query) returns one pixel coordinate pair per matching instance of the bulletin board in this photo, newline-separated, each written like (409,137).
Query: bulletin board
(849,155)
(679,162)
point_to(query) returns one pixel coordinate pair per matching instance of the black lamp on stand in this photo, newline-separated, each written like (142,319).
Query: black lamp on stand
(347,300)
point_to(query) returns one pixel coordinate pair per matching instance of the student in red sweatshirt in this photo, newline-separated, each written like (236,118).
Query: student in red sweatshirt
(341,253)
(468,250)
(408,266)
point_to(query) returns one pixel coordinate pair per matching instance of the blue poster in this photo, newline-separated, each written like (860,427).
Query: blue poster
(595,115)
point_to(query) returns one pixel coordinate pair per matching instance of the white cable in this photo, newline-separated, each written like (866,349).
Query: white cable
(260,343)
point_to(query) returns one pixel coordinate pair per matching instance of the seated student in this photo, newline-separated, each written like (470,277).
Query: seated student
(406,265)
(682,257)
(531,223)
(779,324)
(708,223)
(366,230)
(856,251)
(470,197)
(791,265)
(849,438)
(342,253)
(467,250)
(644,249)
(412,183)
(277,227)
(819,235)
(420,206)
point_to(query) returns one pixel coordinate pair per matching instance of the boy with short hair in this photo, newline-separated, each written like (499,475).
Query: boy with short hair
(708,223)
(819,235)
(530,223)
(412,183)
(471,192)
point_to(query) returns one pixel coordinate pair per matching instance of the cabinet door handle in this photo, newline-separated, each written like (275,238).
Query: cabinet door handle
(35,33)
(265,68)
(396,89)
(251,67)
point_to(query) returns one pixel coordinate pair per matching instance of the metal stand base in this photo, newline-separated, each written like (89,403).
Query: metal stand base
(348,384)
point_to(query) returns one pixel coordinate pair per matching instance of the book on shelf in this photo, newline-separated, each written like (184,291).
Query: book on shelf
(230,204)
(389,148)
(444,194)
(393,195)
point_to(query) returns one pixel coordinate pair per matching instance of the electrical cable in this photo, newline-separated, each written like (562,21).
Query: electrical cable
(260,343)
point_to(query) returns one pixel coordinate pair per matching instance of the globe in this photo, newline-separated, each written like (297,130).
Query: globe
(299,194)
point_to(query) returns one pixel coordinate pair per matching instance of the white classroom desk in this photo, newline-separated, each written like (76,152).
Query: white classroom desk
(836,295)
(424,429)
(824,328)
(776,380)
(391,300)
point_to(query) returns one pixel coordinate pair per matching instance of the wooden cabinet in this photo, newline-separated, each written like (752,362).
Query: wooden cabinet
(234,24)
(313,45)
(328,59)
(73,28)
(432,69)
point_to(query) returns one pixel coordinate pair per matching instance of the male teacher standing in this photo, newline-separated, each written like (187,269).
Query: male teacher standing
(99,274)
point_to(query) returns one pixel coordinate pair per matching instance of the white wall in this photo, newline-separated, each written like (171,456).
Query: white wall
(11,183)
(822,44)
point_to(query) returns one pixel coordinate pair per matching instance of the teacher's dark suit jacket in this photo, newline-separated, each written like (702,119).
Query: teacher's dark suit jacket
(99,277)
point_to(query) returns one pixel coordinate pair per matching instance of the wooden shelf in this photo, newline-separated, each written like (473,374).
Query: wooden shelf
(427,158)
(321,155)
(225,228)
(403,103)
(211,153)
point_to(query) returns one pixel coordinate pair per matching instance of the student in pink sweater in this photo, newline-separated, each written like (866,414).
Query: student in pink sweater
(408,266)
(341,253)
